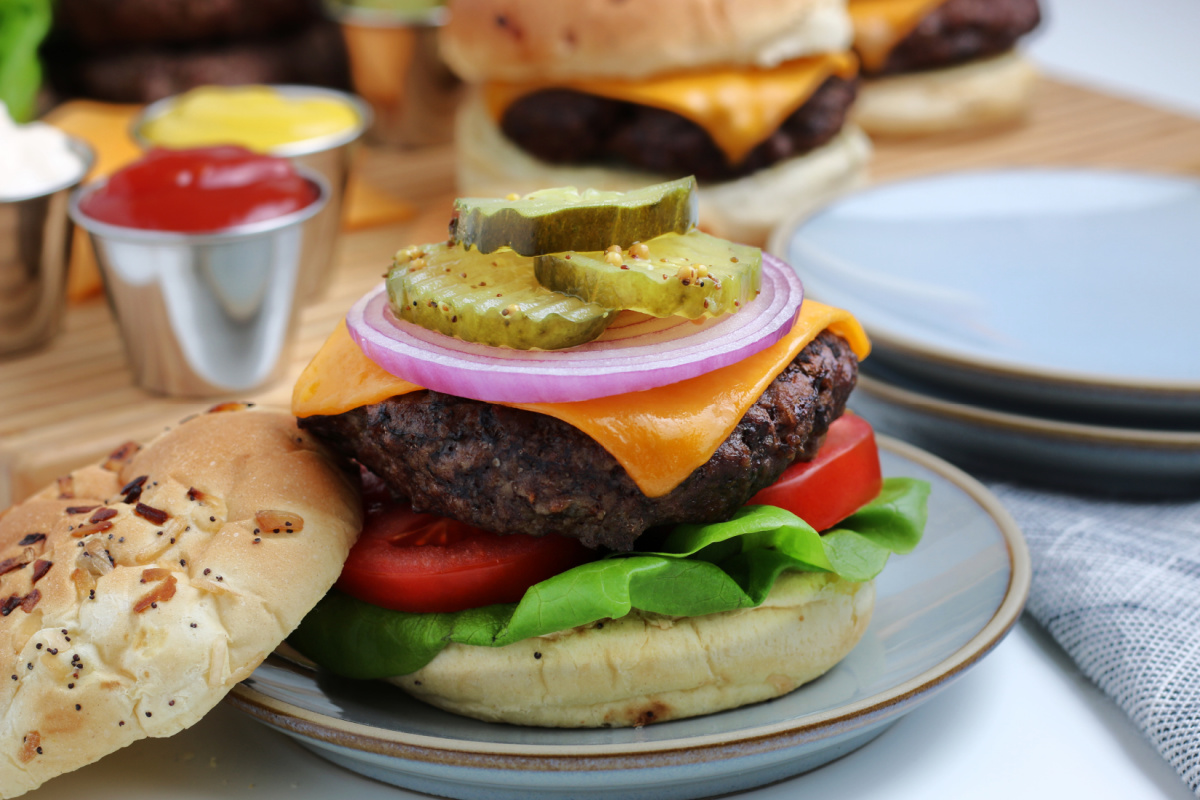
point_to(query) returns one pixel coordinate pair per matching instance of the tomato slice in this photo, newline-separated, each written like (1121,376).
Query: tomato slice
(843,477)
(424,563)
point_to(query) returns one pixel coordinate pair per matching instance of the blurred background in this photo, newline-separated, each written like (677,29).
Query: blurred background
(1145,53)
(1118,89)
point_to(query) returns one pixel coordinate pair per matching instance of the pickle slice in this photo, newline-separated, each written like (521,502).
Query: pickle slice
(691,275)
(491,299)
(554,220)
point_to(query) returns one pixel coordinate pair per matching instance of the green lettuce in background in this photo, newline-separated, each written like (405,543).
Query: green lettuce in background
(699,569)
(23,25)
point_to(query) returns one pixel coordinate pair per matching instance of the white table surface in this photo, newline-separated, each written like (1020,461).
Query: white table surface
(1022,724)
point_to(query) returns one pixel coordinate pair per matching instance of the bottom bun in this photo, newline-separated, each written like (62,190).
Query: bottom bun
(973,95)
(743,210)
(646,668)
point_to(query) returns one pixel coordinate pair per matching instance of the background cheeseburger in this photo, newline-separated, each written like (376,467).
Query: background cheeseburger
(579,550)
(940,65)
(751,98)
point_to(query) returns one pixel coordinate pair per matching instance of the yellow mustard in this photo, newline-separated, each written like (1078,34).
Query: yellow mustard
(256,117)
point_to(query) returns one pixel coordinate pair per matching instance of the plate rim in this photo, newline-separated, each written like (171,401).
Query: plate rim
(909,347)
(1012,422)
(875,709)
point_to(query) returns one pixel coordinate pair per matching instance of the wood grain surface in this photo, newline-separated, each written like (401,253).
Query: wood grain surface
(74,401)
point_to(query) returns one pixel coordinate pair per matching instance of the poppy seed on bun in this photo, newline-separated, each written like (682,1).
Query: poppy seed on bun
(141,589)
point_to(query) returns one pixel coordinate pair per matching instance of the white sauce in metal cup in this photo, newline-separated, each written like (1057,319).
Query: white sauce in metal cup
(34,158)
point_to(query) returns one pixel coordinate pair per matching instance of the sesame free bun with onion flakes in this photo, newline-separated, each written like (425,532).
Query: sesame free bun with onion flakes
(136,593)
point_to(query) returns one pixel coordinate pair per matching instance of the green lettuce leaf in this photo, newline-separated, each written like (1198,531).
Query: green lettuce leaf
(23,25)
(699,569)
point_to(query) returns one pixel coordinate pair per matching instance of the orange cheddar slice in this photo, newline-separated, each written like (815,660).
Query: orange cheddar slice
(660,436)
(105,127)
(367,206)
(340,378)
(880,25)
(740,107)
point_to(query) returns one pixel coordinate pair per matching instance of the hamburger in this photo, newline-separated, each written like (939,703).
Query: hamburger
(941,65)
(562,537)
(751,98)
(135,593)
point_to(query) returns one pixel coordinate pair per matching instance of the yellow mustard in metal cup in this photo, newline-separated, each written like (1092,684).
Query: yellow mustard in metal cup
(257,117)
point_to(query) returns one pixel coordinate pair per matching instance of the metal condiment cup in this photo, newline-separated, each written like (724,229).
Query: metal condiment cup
(395,66)
(329,155)
(206,314)
(35,251)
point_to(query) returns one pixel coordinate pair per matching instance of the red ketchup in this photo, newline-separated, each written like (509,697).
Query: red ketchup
(199,190)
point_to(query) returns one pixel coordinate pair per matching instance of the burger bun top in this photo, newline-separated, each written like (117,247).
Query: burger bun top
(525,40)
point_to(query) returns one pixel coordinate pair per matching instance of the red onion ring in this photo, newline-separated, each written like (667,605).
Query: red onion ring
(642,355)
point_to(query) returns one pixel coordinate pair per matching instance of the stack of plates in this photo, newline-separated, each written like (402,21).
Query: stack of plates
(1039,325)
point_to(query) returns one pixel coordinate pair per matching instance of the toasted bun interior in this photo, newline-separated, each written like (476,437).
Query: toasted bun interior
(743,210)
(646,668)
(519,40)
(135,605)
(978,94)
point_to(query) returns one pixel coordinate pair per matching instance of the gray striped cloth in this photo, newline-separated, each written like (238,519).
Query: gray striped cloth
(1117,584)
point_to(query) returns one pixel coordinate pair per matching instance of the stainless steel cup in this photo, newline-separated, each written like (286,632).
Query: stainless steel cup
(206,314)
(35,251)
(329,155)
(395,66)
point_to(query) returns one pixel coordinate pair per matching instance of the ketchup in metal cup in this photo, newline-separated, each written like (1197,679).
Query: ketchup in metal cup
(199,190)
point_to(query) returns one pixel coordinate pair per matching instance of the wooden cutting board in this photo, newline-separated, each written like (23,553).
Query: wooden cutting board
(74,401)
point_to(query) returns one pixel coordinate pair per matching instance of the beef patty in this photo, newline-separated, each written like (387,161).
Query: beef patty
(515,471)
(963,30)
(114,24)
(314,55)
(562,126)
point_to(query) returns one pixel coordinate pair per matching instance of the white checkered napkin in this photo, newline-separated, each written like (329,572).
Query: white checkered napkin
(1118,586)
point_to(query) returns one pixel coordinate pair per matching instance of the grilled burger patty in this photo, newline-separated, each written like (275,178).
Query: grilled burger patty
(114,24)
(314,55)
(963,30)
(562,126)
(515,471)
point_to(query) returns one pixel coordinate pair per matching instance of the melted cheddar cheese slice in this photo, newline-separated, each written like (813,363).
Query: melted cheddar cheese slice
(740,107)
(660,436)
(880,25)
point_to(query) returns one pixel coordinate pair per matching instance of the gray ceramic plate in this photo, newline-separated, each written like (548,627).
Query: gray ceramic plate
(939,610)
(1124,461)
(1070,292)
